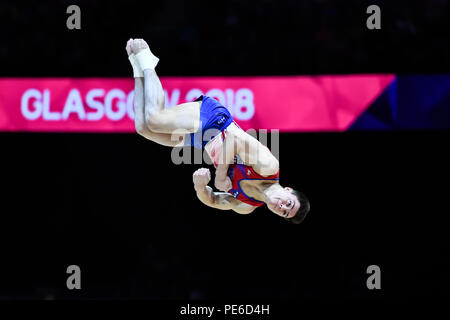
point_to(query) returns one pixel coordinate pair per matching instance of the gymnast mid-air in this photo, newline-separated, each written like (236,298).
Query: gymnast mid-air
(247,172)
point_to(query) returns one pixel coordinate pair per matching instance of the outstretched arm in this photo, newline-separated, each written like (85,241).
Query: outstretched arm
(218,200)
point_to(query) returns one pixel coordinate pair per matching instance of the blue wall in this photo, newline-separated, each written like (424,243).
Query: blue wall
(410,102)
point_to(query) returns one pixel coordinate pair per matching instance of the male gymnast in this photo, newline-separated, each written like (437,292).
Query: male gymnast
(247,172)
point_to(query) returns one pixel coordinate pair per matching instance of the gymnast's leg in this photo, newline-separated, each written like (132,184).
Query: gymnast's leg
(139,112)
(184,118)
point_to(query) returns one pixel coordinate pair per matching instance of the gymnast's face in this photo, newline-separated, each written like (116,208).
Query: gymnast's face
(284,203)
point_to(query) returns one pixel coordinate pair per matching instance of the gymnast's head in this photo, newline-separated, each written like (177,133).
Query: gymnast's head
(289,204)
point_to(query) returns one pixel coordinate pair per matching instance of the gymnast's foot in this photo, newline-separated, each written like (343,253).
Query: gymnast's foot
(137,45)
(146,59)
(128,47)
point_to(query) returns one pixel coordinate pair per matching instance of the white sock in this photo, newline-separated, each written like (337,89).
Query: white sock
(147,60)
(137,71)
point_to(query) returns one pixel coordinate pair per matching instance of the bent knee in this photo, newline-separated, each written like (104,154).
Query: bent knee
(141,129)
(154,121)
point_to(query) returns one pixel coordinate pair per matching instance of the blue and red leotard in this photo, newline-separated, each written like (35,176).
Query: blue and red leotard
(239,172)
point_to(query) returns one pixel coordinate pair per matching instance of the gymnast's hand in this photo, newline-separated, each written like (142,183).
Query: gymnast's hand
(223,184)
(201,178)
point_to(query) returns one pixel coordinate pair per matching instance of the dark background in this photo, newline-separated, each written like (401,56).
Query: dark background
(116,205)
(225,37)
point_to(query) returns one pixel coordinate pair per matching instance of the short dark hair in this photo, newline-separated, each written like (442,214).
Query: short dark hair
(303,210)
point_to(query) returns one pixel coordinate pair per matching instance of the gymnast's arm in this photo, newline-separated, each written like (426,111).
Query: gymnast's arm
(251,151)
(230,149)
(217,200)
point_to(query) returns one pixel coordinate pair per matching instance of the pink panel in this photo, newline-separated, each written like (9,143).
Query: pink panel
(297,103)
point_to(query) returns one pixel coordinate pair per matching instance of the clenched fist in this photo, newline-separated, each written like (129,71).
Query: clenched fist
(201,177)
(223,185)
